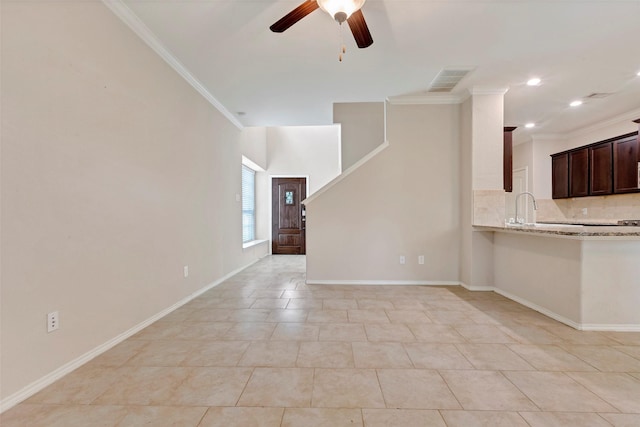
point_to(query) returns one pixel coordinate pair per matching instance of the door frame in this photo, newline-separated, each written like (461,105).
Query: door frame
(528,207)
(271,177)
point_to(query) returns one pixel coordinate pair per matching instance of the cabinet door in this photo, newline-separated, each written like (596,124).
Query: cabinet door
(601,169)
(560,176)
(579,173)
(507,159)
(625,165)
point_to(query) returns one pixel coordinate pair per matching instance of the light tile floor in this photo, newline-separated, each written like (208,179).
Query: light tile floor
(265,349)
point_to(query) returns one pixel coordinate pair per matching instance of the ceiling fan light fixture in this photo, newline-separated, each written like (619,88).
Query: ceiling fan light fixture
(340,10)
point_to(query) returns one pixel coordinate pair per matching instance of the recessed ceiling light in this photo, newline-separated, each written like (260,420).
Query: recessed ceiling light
(576,103)
(638,73)
(533,82)
(530,125)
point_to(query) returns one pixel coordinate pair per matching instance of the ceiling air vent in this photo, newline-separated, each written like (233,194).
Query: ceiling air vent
(598,95)
(447,79)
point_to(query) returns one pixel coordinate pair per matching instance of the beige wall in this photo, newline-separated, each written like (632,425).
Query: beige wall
(487,131)
(115,174)
(563,278)
(605,130)
(253,144)
(362,129)
(305,150)
(404,201)
(523,156)
(483,199)
(466,190)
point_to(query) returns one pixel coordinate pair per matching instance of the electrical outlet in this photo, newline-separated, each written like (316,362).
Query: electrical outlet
(185,271)
(53,321)
(585,211)
(421,260)
(402,259)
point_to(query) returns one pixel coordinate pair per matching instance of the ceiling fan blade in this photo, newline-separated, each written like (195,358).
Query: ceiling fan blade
(360,29)
(294,16)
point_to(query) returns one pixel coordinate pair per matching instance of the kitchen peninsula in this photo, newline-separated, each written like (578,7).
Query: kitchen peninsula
(587,277)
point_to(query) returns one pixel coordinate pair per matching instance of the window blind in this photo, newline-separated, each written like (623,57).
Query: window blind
(248,204)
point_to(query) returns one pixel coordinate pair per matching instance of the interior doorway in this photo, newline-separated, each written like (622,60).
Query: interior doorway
(287,216)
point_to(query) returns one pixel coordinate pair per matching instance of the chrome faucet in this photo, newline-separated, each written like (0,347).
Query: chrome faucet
(535,206)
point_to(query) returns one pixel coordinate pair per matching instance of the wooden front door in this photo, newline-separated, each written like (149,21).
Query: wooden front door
(287,228)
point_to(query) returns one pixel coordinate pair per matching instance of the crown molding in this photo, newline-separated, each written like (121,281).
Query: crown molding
(424,99)
(127,16)
(629,116)
(523,137)
(548,136)
(480,90)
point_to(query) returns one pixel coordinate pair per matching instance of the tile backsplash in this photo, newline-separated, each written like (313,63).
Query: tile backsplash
(604,208)
(488,207)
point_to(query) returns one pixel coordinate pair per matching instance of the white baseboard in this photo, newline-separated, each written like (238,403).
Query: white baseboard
(539,309)
(519,300)
(383,282)
(477,288)
(609,327)
(50,378)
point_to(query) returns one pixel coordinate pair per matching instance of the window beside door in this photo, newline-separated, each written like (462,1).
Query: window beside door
(248,204)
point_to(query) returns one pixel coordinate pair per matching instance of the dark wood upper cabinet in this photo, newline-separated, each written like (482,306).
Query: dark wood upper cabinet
(507,159)
(625,165)
(606,167)
(600,169)
(579,173)
(560,175)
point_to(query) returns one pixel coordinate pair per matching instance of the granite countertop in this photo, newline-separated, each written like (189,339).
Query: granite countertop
(583,222)
(568,229)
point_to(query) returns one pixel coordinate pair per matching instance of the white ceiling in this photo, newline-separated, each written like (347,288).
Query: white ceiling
(577,47)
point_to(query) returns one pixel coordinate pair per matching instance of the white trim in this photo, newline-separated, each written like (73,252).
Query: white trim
(385,112)
(251,164)
(539,309)
(609,327)
(548,137)
(480,90)
(519,300)
(253,243)
(569,322)
(50,378)
(477,288)
(437,99)
(626,117)
(384,282)
(137,26)
(339,125)
(563,137)
(348,172)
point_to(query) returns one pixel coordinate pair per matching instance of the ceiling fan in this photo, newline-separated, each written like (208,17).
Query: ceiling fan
(340,10)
